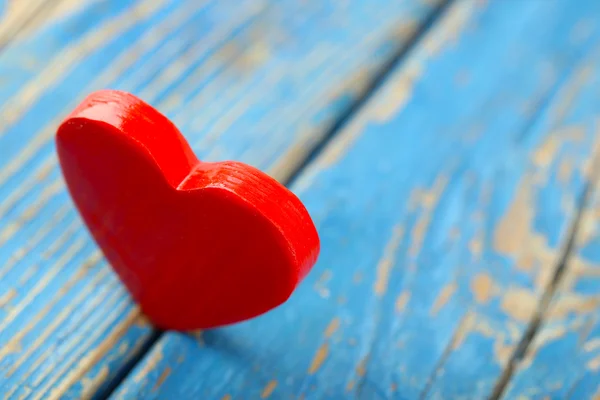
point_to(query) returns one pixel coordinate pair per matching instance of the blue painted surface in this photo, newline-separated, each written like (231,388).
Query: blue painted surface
(442,208)
(277,73)
(22,60)
(563,360)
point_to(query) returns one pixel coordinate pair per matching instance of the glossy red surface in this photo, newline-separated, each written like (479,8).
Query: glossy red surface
(197,244)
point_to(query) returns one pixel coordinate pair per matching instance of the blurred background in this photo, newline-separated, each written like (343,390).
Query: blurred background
(446,150)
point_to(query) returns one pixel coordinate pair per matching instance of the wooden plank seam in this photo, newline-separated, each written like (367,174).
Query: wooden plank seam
(566,253)
(288,179)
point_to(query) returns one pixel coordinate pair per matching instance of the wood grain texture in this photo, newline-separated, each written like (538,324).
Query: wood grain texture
(563,360)
(21,18)
(262,84)
(442,208)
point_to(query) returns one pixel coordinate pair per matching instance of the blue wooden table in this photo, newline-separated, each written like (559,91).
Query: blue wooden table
(448,152)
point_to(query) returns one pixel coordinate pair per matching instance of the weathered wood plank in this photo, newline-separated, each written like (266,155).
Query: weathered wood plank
(22,18)
(441,214)
(563,360)
(251,80)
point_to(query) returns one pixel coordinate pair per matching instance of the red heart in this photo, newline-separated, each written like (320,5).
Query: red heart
(197,244)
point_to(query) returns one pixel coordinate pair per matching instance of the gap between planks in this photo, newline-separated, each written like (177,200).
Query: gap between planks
(288,175)
(538,318)
(124,373)
(371,87)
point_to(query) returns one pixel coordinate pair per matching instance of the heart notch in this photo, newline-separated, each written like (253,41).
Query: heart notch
(198,245)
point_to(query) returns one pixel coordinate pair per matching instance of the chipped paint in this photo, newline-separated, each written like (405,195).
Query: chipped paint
(471,323)
(12,346)
(268,390)
(397,91)
(350,385)
(574,133)
(594,364)
(443,298)
(515,330)
(503,351)
(587,168)
(452,25)
(569,303)
(519,303)
(43,282)
(150,363)
(283,168)
(578,80)
(592,345)
(546,153)
(414,199)
(481,286)
(9,230)
(578,269)
(161,379)
(321,282)
(546,259)
(90,359)
(63,61)
(72,54)
(405,30)
(41,337)
(399,297)
(386,263)
(123,347)
(513,230)
(476,247)
(332,327)
(597,394)
(585,331)
(16,16)
(253,57)
(78,347)
(588,227)
(319,358)
(91,386)
(542,339)
(325,277)
(31,19)
(565,170)
(428,200)
(7,297)
(361,368)
(65,236)
(402,301)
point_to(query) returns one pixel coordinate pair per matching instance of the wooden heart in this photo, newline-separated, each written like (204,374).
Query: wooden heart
(198,245)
